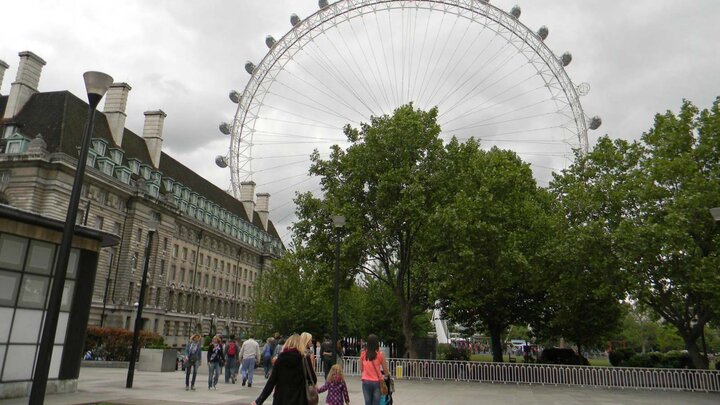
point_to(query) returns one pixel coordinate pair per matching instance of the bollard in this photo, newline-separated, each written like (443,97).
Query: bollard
(398,372)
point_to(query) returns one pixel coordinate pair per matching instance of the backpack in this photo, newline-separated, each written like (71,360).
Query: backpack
(232,349)
(267,353)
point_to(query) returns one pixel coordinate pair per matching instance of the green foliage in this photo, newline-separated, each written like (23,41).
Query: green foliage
(115,344)
(673,359)
(446,351)
(619,356)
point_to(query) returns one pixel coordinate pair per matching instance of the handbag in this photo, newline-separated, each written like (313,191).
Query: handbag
(383,385)
(311,392)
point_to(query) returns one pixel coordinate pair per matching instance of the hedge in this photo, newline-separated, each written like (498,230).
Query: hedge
(114,344)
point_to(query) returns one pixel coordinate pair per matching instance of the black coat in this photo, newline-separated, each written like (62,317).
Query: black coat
(288,380)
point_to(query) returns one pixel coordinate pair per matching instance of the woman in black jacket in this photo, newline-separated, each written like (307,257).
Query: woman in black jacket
(287,377)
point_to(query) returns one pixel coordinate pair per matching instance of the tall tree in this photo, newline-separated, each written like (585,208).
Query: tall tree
(383,184)
(489,236)
(662,233)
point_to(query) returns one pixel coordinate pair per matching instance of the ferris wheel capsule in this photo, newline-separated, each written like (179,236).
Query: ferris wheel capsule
(235,96)
(543,32)
(270,41)
(322,4)
(249,67)
(221,161)
(595,122)
(515,11)
(294,20)
(224,128)
(566,58)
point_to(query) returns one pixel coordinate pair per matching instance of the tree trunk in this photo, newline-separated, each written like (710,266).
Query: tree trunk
(497,349)
(697,359)
(407,329)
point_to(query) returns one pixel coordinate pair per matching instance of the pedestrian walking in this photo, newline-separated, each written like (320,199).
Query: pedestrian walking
(336,387)
(215,358)
(193,360)
(231,355)
(288,378)
(268,350)
(250,356)
(326,355)
(371,360)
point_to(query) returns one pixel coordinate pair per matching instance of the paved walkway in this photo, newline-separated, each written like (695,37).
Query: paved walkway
(99,385)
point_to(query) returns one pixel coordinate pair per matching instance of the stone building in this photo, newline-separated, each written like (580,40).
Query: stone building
(209,247)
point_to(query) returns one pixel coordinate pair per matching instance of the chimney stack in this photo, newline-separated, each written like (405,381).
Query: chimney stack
(247,192)
(3,68)
(115,103)
(152,132)
(263,208)
(26,83)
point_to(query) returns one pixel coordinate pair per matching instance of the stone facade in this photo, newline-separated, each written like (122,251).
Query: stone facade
(208,248)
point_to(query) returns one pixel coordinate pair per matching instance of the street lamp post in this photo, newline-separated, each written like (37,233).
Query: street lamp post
(212,325)
(338,222)
(96,84)
(141,301)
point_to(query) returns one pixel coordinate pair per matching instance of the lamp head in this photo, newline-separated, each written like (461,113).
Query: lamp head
(96,85)
(715,212)
(338,221)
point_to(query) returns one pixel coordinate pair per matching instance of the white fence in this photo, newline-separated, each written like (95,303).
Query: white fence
(548,374)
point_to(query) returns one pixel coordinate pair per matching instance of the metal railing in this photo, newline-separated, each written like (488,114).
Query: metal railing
(547,374)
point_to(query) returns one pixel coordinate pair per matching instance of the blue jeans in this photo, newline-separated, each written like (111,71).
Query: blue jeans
(190,365)
(248,369)
(230,369)
(213,373)
(371,392)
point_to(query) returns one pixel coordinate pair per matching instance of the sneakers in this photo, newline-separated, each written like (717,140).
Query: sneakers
(187,388)
(192,388)
(249,385)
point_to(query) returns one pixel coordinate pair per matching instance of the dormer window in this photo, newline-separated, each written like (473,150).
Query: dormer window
(168,183)
(122,173)
(193,198)
(156,177)
(145,171)
(200,214)
(208,217)
(153,190)
(16,143)
(201,202)
(106,165)
(134,165)
(99,146)
(193,210)
(185,193)
(183,206)
(116,155)
(177,189)
(92,156)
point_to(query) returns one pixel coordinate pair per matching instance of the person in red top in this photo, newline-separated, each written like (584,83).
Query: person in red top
(371,360)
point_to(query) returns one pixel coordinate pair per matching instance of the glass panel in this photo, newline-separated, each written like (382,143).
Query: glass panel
(68,289)
(73,263)
(5,319)
(20,360)
(61,328)
(9,283)
(33,291)
(26,326)
(2,356)
(40,257)
(12,251)
(55,362)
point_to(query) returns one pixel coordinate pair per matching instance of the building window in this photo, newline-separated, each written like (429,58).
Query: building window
(184,253)
(192,256)
(165,243)
(175,251)
(139,235)
(182,275)
(99,221)
(133,261)
(207,279)
(162,266)
(173,272)
(215,264)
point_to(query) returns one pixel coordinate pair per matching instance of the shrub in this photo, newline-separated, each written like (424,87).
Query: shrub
(618,356)
(676,359)
(557,355)
(447,351)
(647,360)
(116,343)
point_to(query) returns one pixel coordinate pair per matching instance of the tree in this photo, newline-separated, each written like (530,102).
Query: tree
(383,184)
(653,200)
(488,239)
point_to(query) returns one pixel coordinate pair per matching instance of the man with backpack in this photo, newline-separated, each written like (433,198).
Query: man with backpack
(231,354)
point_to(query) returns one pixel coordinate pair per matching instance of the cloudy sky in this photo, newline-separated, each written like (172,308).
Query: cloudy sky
(639,57)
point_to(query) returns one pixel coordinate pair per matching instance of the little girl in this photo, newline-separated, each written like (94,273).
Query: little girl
(335,386)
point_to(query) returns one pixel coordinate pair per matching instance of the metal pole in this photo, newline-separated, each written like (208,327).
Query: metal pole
(336,297)
(42,366)
(138,316)
(107,289)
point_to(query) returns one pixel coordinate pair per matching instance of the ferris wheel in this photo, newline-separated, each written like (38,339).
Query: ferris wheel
(490,76)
